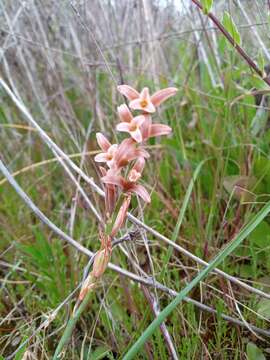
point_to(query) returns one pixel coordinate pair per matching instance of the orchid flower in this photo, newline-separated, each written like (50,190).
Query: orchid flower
(116,158)
(143,101)
(129,123)
(127,151)
(109,150)
(129,186)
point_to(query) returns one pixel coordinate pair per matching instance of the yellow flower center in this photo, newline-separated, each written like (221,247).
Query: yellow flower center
(144,103)
(133,127)
(109,157)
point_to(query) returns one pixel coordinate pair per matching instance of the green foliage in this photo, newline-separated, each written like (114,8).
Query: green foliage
(207,5)
(48,259)
(230,26)
(254,353)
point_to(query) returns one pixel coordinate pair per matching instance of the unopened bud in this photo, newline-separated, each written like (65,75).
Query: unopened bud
(100,263)
(88,284)
(121,216)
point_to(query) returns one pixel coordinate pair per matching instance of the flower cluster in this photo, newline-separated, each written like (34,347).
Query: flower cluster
(123,169)
(118,157)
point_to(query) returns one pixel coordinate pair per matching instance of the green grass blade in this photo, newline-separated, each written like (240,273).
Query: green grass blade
(243,233)
(182,211)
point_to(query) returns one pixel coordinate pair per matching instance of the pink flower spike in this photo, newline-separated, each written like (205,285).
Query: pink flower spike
(143,102)
(128,92)
(142,192)
(158,97)
(159,129)
(124,113)
(103,143)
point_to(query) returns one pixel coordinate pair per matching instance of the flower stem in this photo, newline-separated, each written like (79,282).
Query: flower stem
(70,326)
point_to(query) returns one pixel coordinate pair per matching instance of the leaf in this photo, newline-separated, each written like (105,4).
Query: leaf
(207,5)
(261,235)
(254,353)
(261,62)
(230,26)
(259,121)
(264,308)
(99,353)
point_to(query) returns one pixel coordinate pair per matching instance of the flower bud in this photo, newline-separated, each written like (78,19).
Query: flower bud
(88,284)
(121,216)
(100,263)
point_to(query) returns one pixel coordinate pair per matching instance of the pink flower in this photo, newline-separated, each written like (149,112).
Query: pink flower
(109,150)
(129,123)
(127,151)
(149,130)
(129,186)
(143,101)
(136,172)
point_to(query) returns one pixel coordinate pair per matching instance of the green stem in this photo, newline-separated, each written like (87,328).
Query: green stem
(71,325)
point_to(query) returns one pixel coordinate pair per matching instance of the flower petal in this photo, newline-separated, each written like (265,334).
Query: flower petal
(123,126)
(113,180)
(158,97)
(133,175)
(128,92)
(142,192)
(103,143)
(138,120)
(144,95)
(159,129)
(142,153)
(103,170)
(112,149)
(136,135)
(124,113)
(101,157)
(110,197)
(111,164)
(146,126)
(139,165)
(149,108)
(135,104)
